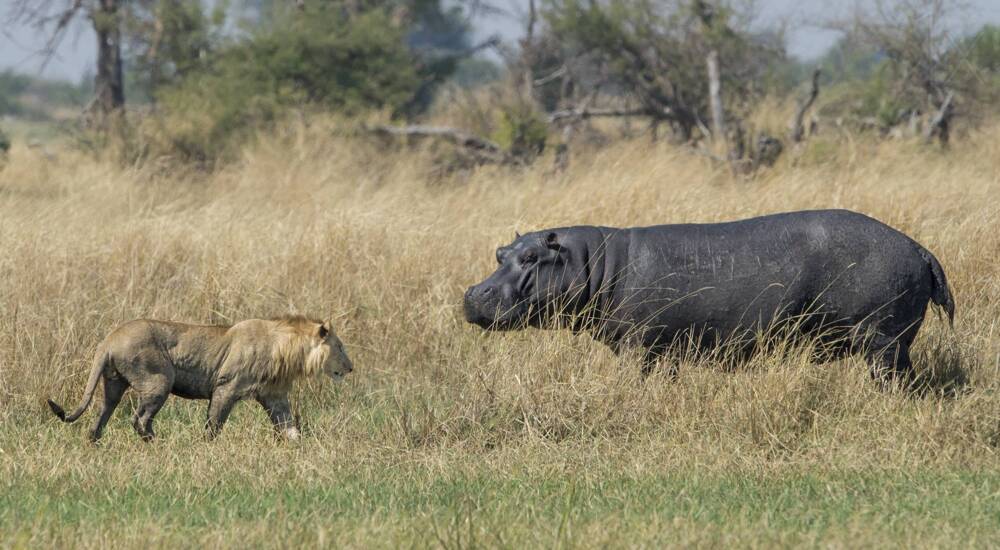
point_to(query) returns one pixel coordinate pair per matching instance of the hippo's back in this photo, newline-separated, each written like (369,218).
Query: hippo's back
(723,278)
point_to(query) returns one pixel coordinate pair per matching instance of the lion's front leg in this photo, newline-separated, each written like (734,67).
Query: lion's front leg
(279,410)
(221,404)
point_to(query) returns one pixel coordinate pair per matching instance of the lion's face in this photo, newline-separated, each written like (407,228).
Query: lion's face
(337,364)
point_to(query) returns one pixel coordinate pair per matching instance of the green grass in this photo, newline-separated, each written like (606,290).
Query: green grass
(392,504)
(335,488)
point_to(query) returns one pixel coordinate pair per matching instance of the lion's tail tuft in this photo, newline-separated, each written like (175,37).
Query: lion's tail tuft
(88,395)
(57,410)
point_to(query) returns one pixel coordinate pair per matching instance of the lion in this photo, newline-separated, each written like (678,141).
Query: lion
(257,358)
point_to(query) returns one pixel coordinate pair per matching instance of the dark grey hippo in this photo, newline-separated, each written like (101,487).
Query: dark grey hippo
(856,283)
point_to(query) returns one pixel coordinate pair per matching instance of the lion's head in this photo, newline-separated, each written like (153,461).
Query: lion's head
(310,347)
(328,354)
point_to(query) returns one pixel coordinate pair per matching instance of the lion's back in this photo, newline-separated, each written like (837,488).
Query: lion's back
(166,344)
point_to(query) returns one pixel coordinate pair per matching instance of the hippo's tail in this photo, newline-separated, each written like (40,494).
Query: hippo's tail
(940,293)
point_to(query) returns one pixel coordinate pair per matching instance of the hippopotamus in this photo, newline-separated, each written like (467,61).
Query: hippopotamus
(852,283)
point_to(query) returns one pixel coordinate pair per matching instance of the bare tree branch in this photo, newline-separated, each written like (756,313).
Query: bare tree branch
(22,12)
(940,122)
(555,75)
(561,161)
(585,112)
(796,128)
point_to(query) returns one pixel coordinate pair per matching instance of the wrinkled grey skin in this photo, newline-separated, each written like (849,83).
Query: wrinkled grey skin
(858,284)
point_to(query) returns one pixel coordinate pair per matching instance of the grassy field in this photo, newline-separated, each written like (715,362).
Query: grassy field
(446,436)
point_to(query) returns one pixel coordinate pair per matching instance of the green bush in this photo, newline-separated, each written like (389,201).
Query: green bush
(315,58)
(521,130)
(984,48)
(182,33)
(879,99)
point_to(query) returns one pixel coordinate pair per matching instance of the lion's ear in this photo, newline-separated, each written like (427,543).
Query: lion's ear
(323,329)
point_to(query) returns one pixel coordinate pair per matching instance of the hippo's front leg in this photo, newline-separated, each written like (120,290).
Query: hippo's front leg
(655,359)
(650,357)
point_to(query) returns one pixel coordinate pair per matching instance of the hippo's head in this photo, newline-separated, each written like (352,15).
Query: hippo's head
(538,276)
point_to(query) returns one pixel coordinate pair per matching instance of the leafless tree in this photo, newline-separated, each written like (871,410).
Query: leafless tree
(925,56)
(54,20)
(584,59)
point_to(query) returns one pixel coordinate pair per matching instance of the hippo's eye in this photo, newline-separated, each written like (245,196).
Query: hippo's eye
(529,258)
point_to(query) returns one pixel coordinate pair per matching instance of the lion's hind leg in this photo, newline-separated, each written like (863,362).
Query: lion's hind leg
(219,407)
(114,388)
(151,399)
(142,421)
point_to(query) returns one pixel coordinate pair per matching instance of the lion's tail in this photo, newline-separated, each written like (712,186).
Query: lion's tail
(88,395)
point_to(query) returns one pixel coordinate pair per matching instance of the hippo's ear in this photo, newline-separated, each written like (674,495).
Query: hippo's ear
(552,241)
(516,235)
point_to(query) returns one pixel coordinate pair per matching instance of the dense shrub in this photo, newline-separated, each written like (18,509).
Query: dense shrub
(317,58)
(984,48)
(521,130)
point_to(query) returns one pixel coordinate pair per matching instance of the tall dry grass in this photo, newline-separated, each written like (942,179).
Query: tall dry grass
(353,231)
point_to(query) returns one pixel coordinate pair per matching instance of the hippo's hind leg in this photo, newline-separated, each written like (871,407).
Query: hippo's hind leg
(891,364)
(885,343)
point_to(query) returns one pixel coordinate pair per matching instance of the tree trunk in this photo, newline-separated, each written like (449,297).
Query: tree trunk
(162,11)
(940,123)
(797,130)
(528,52)
(109,84)
(715,98)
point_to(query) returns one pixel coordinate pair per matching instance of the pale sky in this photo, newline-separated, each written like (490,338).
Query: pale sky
(77,52)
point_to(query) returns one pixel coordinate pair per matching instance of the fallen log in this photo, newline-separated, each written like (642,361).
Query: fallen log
(482,149)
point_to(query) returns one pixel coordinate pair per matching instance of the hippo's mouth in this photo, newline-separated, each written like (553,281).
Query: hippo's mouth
(511,318)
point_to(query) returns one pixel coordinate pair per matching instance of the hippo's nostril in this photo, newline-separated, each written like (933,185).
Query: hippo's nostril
(487,291)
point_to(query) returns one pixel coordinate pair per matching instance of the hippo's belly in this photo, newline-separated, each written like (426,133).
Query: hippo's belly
(716,285)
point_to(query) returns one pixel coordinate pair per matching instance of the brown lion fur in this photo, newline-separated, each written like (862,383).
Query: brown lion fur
(258,358)
(293,353)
